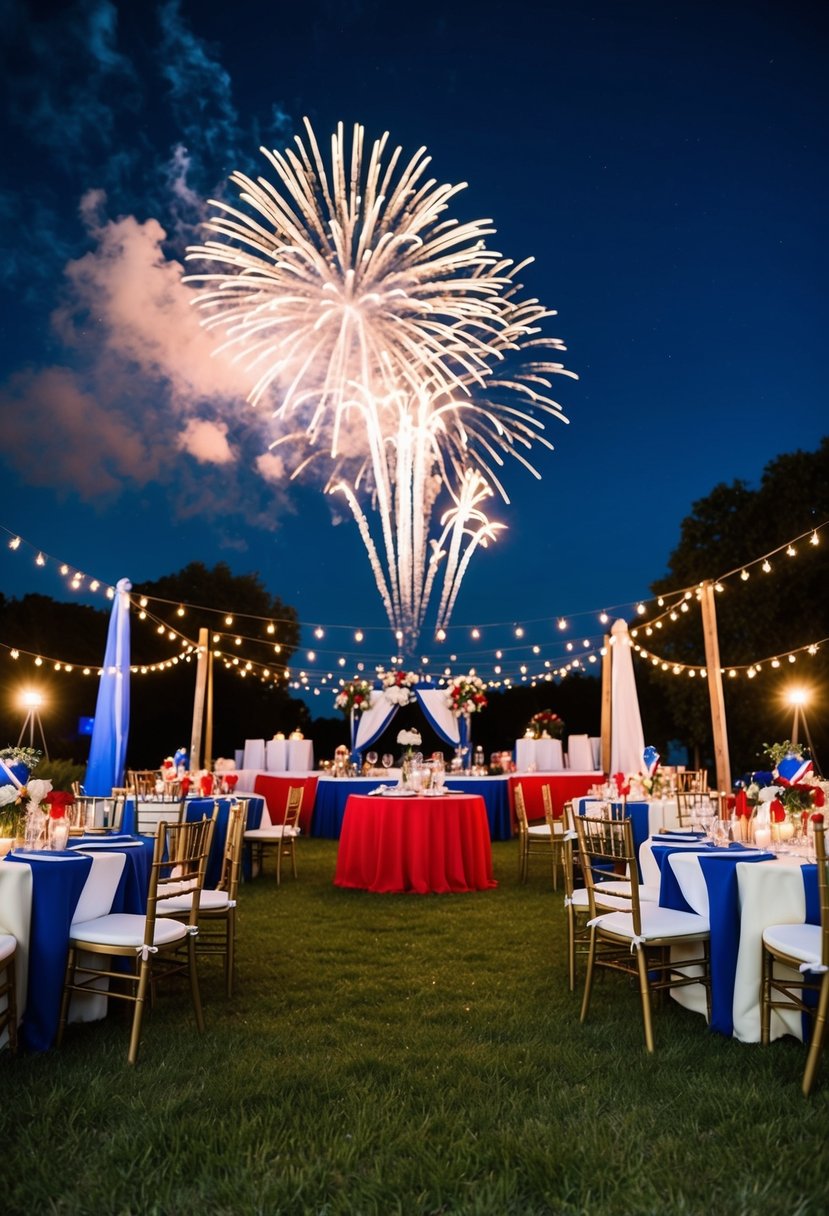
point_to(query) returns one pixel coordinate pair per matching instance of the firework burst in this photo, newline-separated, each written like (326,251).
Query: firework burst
(381,331)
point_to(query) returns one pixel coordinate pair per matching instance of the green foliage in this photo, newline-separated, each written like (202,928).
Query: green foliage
(61,773)
(388,1055)
(757,619)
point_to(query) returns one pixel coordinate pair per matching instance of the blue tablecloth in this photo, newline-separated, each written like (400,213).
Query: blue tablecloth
(719,869)
(331,797)
(56,889)
(198,807)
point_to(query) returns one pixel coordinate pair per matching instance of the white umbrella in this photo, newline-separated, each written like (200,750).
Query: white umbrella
(627,742)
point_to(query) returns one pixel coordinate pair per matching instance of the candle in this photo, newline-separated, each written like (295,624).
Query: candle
(762,837)
(59,833)
(786,829)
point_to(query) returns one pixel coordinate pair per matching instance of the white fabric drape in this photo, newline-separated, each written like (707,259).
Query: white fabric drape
(627,740)
(433,701)
(374,720)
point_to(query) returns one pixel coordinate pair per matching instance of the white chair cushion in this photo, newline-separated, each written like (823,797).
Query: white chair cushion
(125,929)
(657,923)
(209,901)
(263,835)
(800,941)
(8,943)
(579,898)
(539,829)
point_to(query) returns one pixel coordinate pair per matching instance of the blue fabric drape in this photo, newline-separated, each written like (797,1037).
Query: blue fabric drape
(108,748)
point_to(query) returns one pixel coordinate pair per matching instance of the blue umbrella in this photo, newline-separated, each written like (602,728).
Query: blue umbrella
(108,748)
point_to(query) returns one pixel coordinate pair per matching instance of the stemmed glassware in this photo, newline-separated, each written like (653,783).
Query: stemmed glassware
(387,761)
(371,758)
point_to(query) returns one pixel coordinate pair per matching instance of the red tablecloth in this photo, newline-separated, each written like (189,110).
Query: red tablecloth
(415,845)
(275,792)
(563,787)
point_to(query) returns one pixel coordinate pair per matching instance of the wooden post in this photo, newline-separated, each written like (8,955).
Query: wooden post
(198,702)
(208,726)
(715,690)
(607,703)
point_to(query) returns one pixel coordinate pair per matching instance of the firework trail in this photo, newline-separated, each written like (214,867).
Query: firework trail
(382,331)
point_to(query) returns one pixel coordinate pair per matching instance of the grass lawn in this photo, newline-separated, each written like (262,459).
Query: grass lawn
(409,1054)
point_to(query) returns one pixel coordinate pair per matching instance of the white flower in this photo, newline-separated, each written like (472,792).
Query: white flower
(397,695)
(8,794)
(409,738)
(37,791)
(769,793)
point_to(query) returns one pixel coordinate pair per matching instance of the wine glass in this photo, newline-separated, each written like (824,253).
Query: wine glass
(720,831)
(387,760)
(371,759)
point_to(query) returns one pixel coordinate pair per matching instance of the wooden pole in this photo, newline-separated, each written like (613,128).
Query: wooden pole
(607,703)
(208,727)
(198,702)
(715,689)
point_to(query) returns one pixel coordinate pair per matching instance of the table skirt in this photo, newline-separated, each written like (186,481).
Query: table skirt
(417,845)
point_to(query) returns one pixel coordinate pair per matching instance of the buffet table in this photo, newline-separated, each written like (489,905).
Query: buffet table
(415,844)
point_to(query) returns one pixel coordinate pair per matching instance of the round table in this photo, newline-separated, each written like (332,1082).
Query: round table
(418,844)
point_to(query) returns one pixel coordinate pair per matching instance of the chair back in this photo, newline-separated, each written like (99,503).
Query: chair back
(293,806)
(520,809)
(567,861)
(96,815)
(692,781)
(606,850)
(142,781)
(232,857)
(822,890)
(178,867)
(549,811)
(690,805)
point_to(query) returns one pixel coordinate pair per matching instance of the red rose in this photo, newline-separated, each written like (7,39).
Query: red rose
(820,800)
(778,811)
(817,817)
(57,802)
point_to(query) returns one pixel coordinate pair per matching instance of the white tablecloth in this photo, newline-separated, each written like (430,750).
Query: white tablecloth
(771,893)
(580,753)
(16,917)
(254,754)
(276,755)
(538,756)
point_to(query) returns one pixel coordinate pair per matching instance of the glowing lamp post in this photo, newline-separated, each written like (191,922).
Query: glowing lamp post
(797,698)
(32,701)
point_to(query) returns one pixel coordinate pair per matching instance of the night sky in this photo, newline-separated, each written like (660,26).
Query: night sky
(664,163)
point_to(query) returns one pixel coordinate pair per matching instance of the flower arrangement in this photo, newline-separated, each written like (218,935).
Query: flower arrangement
(397,685)
(31,804)
(791,793)
(353,695)
(545,722)
(466,695)
(29,757)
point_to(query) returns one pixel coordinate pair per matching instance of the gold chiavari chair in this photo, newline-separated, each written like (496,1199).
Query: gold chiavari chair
(692,781)
(804,951)
(555,828)
(95,815)
(217,905)
(280,836)
(694,808)
(533,838)
(142,781)
(158,945)
(611,894)
(637,940)
(8,988)
(576,900)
